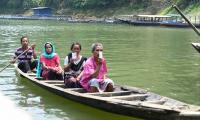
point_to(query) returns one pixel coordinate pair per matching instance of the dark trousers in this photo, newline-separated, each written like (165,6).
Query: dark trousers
(26,66)
(71,84)
(52,75)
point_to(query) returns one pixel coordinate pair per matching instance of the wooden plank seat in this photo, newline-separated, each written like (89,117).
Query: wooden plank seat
(80,90)
(156,101)
(131,97)
(133,89)
(54,81)
(31,74)
(34,71)
(59,85)
(110,94)
(39,78)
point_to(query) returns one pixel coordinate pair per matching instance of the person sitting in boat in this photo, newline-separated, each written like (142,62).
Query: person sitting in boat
(73,66)
(94,72)
(25,62)
(50,62)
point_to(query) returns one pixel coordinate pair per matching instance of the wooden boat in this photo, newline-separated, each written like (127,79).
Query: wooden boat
(170,20)
(177,24)
(124,100)
(143,20)
(177,21)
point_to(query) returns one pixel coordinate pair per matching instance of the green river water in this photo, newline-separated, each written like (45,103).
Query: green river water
(157,59)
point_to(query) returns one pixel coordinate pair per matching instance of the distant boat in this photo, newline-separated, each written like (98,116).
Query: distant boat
(170,20)
(178,21)
(177,24)
(143,20)
(124,100)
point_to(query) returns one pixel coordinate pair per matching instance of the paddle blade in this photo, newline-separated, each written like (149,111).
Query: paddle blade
(196,46)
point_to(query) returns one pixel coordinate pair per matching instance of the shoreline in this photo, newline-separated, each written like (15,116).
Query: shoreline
(70,19)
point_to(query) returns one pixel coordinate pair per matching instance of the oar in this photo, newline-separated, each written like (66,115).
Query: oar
(193,27)
(14,59)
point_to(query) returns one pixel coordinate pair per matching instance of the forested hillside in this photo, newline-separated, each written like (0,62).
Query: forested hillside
(187,6)
(99,7)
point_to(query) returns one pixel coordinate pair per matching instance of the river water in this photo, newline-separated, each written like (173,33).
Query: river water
(157,59)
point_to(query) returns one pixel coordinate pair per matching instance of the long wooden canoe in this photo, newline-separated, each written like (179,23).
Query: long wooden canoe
(124,100)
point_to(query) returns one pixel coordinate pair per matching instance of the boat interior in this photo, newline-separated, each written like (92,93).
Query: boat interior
(125,93)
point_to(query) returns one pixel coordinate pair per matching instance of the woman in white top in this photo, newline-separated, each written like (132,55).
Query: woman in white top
(73,66)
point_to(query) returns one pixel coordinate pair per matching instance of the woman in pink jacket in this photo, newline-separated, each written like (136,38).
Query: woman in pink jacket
(94,72)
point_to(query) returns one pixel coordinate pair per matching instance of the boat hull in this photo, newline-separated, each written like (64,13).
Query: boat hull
(177,25)
(124,100)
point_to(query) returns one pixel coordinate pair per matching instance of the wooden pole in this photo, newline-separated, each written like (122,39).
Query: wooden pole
(14,59)
(193,27)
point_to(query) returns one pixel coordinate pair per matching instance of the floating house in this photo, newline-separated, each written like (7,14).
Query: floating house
(42,11)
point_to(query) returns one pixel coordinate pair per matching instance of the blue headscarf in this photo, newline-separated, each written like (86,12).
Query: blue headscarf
(46,55)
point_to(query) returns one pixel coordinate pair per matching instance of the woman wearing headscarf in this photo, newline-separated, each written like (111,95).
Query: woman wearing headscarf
(50,62)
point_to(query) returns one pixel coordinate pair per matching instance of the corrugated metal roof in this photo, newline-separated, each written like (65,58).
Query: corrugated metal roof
(41,8)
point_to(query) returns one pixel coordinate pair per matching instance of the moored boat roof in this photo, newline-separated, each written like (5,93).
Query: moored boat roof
(152,16)
(155,16)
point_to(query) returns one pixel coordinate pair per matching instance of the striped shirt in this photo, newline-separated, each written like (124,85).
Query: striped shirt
(27,56)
